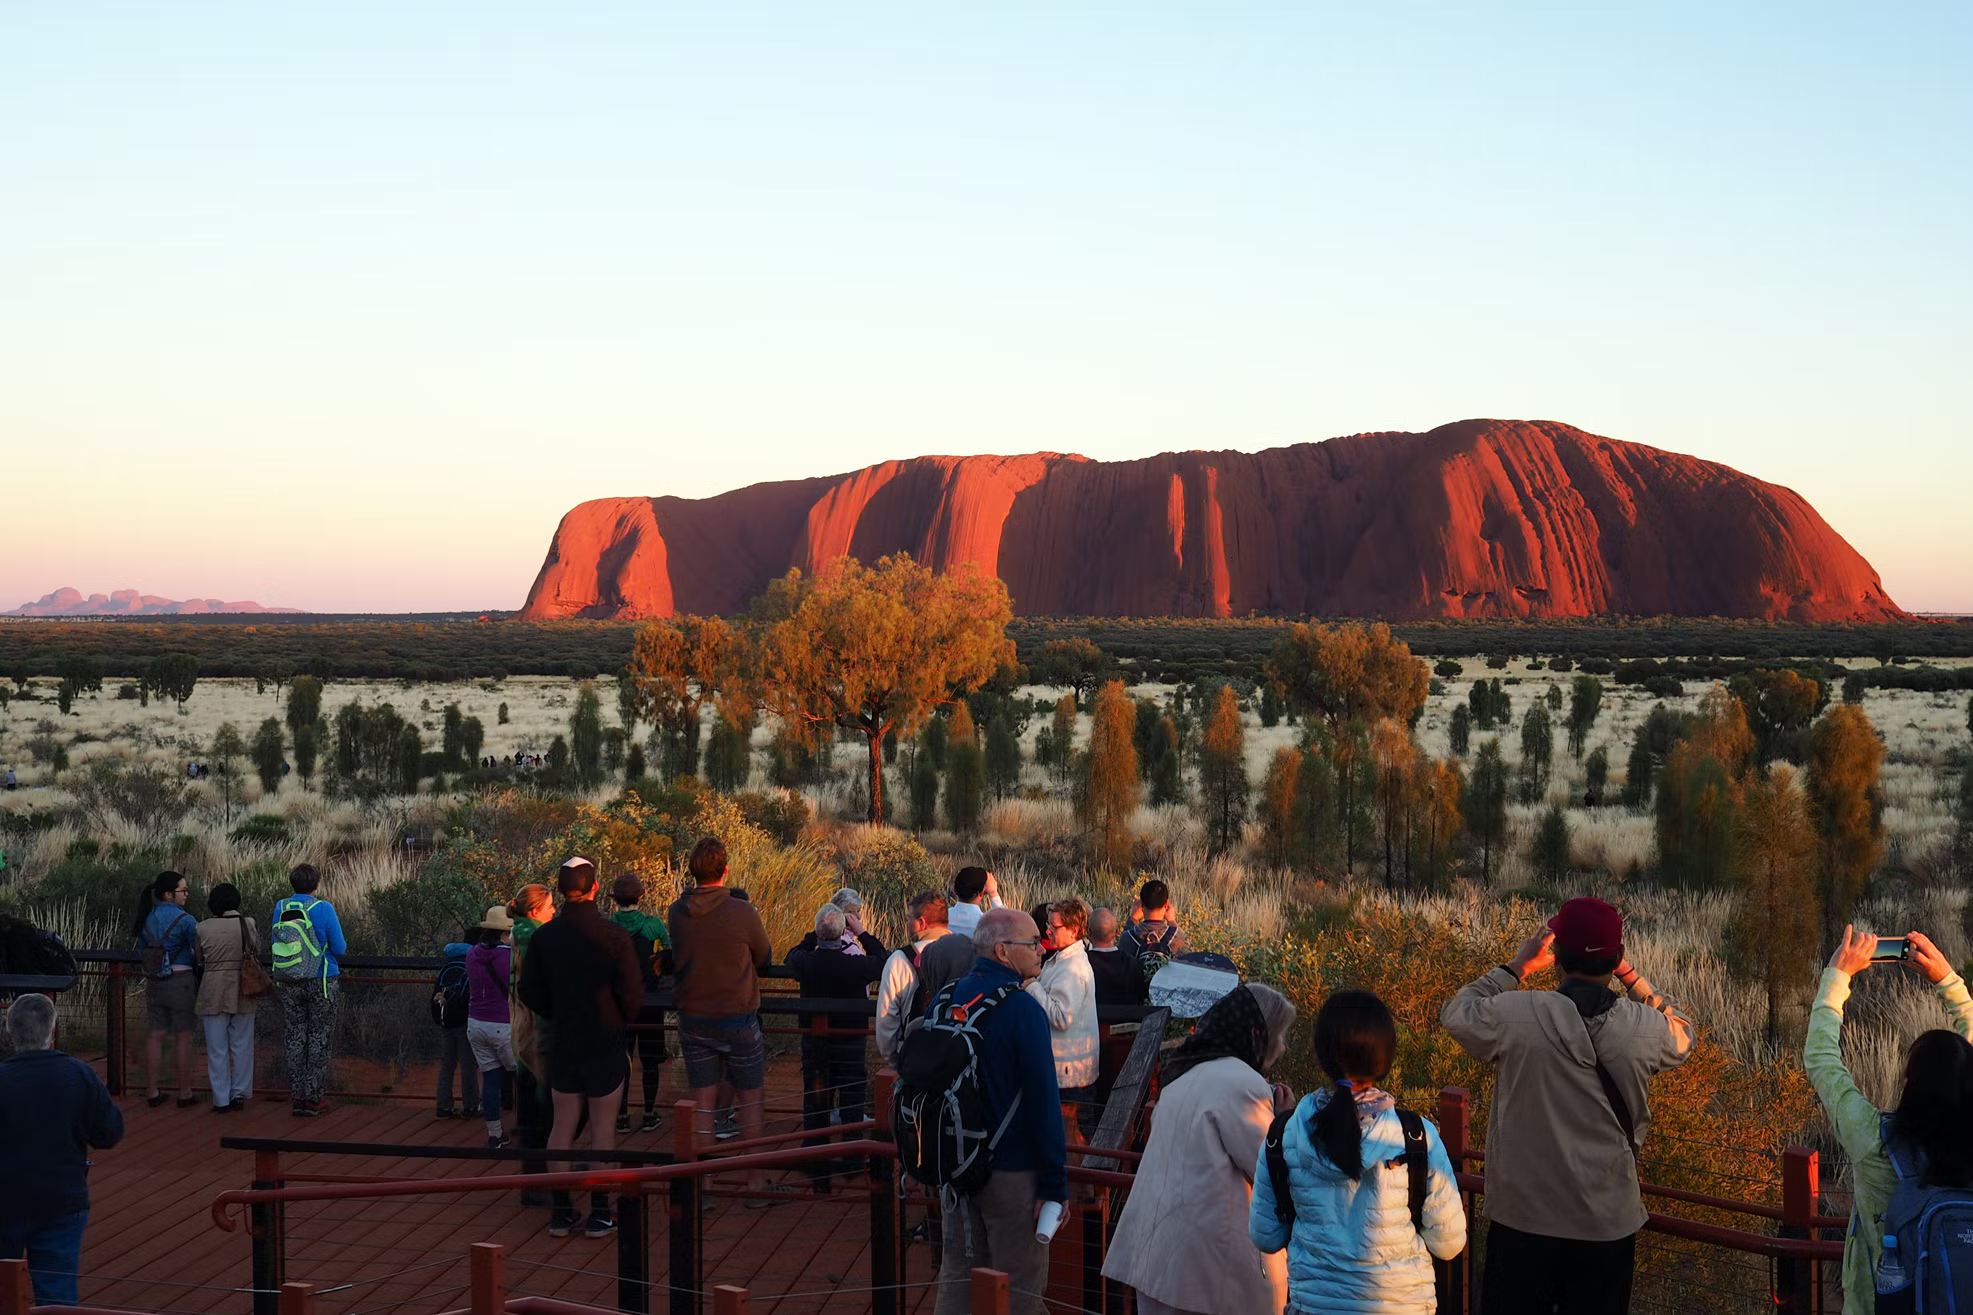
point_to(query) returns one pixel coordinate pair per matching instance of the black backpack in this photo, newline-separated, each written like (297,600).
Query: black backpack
(27,949)
(1415,1160)
(1152,949)
(449,994)
(937,1109)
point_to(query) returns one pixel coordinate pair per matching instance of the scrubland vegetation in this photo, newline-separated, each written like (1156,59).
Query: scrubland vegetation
(1329,808)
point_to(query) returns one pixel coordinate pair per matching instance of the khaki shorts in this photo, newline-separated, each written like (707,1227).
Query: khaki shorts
(168,1003)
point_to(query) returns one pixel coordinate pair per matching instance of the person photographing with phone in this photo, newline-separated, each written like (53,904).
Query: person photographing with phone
(1570,1111)
(1922,1147)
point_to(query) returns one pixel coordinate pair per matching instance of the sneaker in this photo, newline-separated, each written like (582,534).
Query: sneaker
(623,1124)
(497,1143)
(445,1114)
(307,1109)
(300,1109)
(563,1222)
(726,1125)
(317,1106)
(601,1224)
(650,1123)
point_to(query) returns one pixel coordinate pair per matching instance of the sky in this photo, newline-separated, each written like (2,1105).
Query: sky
(342,306)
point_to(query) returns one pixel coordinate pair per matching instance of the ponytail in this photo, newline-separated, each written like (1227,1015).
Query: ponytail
(1354,1034)
(1337,1132)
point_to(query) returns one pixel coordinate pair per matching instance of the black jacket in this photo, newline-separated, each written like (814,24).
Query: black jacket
(53,1108)
(581,974)
(1119,977)
(830,974)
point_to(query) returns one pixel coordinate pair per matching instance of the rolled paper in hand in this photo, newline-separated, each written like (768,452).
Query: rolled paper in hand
(1049,1223)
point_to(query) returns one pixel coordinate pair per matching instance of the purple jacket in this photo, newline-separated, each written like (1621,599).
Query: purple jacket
(488,970)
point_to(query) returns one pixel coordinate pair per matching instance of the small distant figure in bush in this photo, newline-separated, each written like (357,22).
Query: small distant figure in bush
(1360,1193)
(653,945)
(489,1020)
(167,943)
(1572,1073)
(1922,1148)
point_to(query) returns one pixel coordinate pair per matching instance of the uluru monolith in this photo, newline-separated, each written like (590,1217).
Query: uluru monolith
(1480,518)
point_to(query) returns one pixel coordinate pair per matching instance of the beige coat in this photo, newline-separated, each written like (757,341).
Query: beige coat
(1066,991)
(1182,1238)
(1557,1164)
(220,940)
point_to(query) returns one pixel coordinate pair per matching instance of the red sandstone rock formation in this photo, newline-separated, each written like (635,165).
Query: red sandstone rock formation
(1477,518)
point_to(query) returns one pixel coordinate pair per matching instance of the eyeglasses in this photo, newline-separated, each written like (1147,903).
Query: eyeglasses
(1034,944)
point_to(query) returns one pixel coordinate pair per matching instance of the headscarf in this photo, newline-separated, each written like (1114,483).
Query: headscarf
(1232,1029)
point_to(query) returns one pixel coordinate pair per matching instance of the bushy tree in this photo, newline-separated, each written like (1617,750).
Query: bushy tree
(1223,787)
(965,772)
(1447,669)
(1111,783)
(1772,934)
(1437,816)
(921,780)
(1537,753)
(78,675)
(1270,711)
(1318,837)
(174,674)
(1697,819)
(1596,771)
(1552,696)
(680,666)
(874,649)
(227,750)
(1779,707)
(1853,688)
(410,758)
(451,741)
(472,738)
(1280,791)
(1486,811)
(1845,761)
(1461,729)
(1062,738)
(1639,772)
(1549,852)
(1394,758)
(1585,702)
(586,737)
(1077,665)
(729,754)
(1489,705)
(1167,776)
(1003,756)
(304,704)
(269,752)
(1348,673)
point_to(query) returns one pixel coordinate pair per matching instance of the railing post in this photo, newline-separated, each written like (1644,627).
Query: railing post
(268,1225)
(989,1292)
(729,1300)
(297,1299)
(682,1216)
(1798,1283)
(1094,1217)
(113,1026)
(633,1251)
(489,1279)
(1455,1276)
(16,1287)
(886,1255)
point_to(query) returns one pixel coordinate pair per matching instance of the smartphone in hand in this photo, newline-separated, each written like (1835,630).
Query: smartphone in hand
(1890,949)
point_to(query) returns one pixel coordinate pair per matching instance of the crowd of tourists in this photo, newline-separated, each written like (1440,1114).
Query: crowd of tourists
(1248,1197)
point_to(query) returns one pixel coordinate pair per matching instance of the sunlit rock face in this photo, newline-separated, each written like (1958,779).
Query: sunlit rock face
(1481,518)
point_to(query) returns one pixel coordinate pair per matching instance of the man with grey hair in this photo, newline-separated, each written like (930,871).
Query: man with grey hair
(851,903)
(995,1226)
(53,1109)
(900,993)
(836,968)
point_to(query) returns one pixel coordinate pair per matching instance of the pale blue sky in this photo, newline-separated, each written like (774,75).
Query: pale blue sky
(341,306)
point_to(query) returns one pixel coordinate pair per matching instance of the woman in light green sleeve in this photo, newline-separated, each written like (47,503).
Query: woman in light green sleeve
(1855,1120)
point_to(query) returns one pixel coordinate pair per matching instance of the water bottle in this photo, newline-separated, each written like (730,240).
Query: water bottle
(1894,1292)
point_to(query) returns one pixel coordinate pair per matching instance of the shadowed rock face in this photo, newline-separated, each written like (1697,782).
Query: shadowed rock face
(1477,518)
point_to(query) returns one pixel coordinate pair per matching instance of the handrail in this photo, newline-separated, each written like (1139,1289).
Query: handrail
(1734,1239)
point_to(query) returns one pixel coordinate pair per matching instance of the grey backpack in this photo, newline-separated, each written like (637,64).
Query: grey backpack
(1934,1230)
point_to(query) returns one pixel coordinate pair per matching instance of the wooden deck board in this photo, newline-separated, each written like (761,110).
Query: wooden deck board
(152,1244)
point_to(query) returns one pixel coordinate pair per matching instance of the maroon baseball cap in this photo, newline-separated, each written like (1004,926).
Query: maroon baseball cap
(1588,927)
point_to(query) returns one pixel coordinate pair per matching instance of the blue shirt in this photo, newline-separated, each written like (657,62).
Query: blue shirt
(53,1108)
(176,930)
(1017,1058)
(328,928)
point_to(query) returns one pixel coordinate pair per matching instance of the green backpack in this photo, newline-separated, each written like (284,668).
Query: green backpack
(297,950)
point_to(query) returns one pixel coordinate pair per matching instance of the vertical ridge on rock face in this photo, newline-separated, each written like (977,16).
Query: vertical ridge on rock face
(1472,519)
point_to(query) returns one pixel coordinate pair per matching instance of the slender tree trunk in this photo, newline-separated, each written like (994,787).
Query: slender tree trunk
(876,738)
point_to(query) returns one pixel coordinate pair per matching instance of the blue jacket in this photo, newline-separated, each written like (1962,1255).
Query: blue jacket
(173,928)
(328,927)
(53,1108)
(1017,1056)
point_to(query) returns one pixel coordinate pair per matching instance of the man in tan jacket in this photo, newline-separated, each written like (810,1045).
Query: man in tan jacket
(1570,1111)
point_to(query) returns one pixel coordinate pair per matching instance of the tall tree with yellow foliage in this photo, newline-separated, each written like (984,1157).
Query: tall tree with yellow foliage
(1845,759)
(1111,783)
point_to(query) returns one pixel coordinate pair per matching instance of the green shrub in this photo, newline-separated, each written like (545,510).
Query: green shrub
(420,913)
(262,829)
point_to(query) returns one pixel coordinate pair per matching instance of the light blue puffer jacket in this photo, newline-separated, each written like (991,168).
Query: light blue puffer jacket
(1353,1250)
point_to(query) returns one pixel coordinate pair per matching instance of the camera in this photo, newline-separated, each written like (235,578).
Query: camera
(1890,949)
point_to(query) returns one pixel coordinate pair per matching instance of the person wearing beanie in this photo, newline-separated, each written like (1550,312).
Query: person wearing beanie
(1572,1068)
